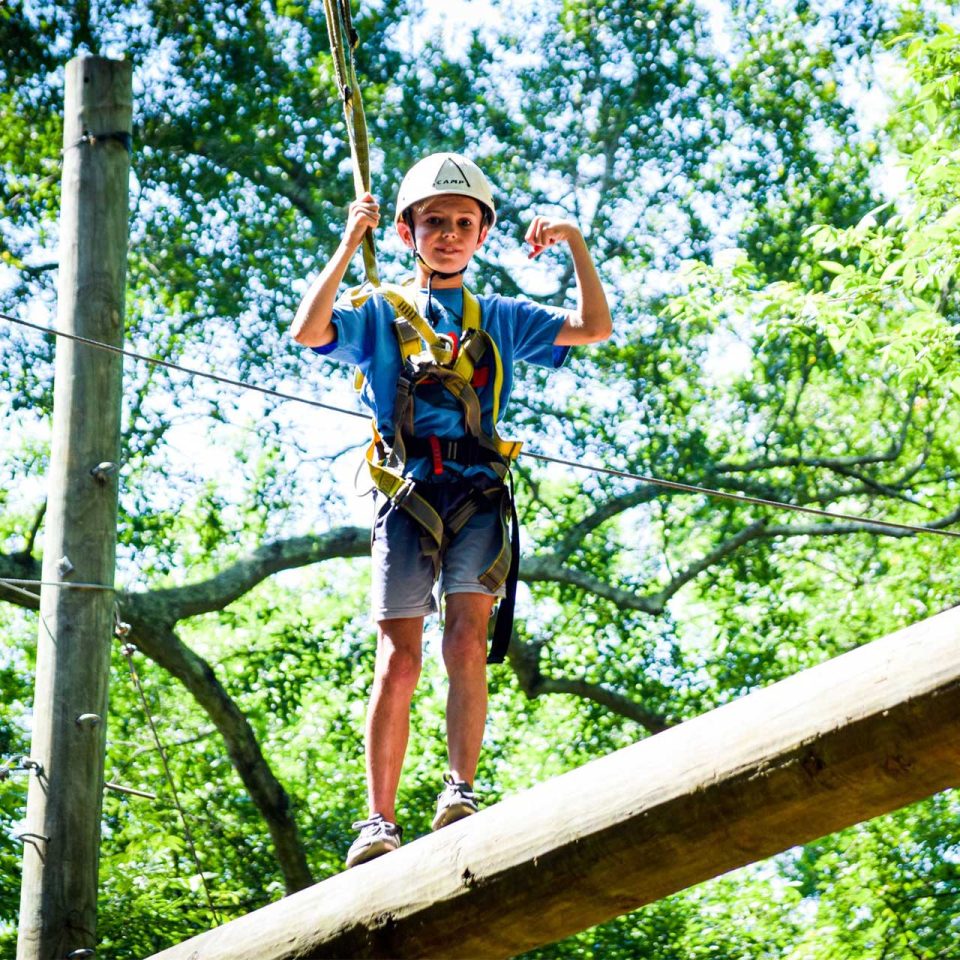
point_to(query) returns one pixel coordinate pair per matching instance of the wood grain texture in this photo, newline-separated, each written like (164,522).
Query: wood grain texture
(59,887)
(863,734)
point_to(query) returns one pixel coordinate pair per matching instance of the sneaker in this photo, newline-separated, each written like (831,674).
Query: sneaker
(377,836)
(456,802)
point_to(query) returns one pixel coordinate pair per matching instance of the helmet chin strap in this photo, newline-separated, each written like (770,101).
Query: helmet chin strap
(430,278)
(437,273)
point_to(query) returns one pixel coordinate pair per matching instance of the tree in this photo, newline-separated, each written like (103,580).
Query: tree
(643,607)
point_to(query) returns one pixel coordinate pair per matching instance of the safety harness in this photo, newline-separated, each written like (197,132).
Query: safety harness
(429,357)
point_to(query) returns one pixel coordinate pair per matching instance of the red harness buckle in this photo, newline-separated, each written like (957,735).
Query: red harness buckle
(435,454)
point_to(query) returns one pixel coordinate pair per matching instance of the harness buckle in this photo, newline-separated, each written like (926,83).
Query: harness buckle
(444,350)
(419,361)
(440,354)
(403,492)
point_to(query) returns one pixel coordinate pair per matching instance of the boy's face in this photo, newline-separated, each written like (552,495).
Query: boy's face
(449,230)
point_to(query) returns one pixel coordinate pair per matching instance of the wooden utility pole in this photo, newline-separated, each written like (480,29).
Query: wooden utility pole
(866,733)
(61,835)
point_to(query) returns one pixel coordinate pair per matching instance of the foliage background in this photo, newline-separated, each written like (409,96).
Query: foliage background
(771,192)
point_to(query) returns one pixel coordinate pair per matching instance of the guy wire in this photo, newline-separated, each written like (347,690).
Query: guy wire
(545,458)
(128,651)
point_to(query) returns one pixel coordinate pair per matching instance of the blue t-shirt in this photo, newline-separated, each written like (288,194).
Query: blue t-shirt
(522,330)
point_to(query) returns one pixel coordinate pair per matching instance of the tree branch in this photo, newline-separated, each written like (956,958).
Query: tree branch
(20,567)
(606,510)
(886,489)
(832,463)
(31,540)
(836,529)
(549,569)
(552,570)
(37,269)
(752,532)
(152,616)
(156,638)
(525,660)
(218,592)
(290,181)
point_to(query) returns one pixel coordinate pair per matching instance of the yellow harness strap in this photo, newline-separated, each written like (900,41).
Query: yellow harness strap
(427,355)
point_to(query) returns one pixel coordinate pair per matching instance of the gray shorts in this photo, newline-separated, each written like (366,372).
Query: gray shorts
(402,583)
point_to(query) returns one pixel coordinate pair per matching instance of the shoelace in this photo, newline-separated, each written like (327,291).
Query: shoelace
(460,789)
(376,822)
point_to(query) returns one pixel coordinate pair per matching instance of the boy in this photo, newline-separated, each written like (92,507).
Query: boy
(436,457)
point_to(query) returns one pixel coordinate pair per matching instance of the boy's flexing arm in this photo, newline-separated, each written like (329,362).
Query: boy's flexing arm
(311,325)
(591,321)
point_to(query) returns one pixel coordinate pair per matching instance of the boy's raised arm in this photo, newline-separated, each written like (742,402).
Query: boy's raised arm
(591,321)
(311,325)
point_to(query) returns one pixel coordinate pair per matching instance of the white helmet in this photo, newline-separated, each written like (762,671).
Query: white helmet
(442,173)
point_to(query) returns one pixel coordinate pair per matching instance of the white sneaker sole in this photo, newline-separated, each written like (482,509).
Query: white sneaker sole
(376,849)
(451,814)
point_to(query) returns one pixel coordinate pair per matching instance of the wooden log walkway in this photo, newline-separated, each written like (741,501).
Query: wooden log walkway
(852,738)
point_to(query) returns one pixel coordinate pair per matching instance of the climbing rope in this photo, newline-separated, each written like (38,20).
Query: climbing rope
(601,469)
(343,41)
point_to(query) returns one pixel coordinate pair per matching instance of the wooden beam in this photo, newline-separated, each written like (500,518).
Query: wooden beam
(861,735)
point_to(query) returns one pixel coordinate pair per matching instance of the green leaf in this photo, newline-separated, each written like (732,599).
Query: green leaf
(892,269)
(831,266)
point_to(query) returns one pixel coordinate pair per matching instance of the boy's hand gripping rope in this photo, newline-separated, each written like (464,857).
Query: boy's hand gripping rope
(343,41)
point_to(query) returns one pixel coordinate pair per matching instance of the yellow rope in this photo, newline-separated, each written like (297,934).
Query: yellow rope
(343,41)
